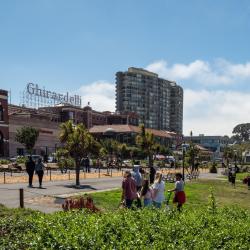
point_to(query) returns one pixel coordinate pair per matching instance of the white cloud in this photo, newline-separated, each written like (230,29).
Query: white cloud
(205,112)
(100,94)
(214,112)
(205,73)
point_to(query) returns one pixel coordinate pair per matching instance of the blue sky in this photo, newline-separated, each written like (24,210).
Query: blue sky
(78,46)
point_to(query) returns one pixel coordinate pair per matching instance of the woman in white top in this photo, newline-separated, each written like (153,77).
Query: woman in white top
(158,190)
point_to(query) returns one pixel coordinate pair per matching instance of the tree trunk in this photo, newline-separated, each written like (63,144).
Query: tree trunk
(150,160)
(77,173)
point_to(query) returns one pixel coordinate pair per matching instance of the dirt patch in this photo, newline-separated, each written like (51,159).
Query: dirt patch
(46,201)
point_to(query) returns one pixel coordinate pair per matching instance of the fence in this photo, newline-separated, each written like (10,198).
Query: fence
(8,177)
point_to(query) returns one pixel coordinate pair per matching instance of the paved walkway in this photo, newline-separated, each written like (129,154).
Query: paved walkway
(50,198)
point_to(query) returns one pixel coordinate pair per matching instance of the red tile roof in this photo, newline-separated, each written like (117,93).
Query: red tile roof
(125,128)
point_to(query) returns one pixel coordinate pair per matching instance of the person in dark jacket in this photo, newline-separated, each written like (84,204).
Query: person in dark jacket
(39,167)
(152,172)
(30,168)
(87,165)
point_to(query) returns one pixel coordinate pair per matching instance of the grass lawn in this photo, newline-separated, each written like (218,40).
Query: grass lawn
(239,176)
(197,194)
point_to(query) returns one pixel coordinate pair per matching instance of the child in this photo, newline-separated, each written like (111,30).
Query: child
(180,197)
(147,194)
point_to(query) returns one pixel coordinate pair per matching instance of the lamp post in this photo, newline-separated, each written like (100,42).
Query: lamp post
(192,150)
(183,160)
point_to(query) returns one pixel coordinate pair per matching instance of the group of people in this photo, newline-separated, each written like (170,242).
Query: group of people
(85,163)
(37,167)
(136,190)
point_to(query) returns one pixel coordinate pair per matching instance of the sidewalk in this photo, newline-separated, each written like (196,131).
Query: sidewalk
(50,198)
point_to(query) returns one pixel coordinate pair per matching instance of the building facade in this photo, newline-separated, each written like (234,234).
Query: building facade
(47,120)
(158,102)
(4,124)
(214,144)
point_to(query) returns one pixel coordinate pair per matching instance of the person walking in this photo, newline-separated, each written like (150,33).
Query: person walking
(129,192)
(233,176)
(87,165)
(229,174)
(138,179)
(180,196)
(30,168)
(158,190)
(146,194)
(40,171)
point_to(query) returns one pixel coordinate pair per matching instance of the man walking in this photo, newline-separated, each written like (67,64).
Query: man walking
(30,168)
(129,192)
(87,165)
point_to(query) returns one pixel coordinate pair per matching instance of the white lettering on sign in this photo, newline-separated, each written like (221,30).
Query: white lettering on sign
(33,89)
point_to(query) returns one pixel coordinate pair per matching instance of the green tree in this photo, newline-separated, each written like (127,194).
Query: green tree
(122,149)
(146,141)
(109,148)
(242,132)
(228,154)
(27,136)
(78,143)
(192,153)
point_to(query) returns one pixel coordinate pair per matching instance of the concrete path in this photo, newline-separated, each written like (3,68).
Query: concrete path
(50,198)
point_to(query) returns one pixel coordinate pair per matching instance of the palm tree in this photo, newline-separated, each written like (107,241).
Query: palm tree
(107,149)
(146,141)
(78,142)
(122,149)
(192,153)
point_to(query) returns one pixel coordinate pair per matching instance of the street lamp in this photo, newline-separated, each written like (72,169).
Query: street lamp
(192,150)
(183,160)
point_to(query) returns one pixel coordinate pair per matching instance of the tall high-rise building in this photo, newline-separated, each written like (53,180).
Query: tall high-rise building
(158,102)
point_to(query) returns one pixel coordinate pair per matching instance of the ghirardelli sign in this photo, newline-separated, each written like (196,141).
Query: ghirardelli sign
(33,89)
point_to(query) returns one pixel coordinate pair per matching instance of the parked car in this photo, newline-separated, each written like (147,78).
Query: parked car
(51,159)
(169,159)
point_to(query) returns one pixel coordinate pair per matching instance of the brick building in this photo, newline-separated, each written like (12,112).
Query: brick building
(47,120)
(4,124)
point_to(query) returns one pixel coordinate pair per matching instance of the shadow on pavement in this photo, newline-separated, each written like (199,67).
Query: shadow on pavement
(59,200)
(80,187)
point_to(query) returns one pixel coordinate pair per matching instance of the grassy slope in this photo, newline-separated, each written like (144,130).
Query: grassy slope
(197,194)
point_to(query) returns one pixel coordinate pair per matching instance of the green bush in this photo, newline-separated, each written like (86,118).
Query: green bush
(21,160)
(226,228)
(4,162)
(66,162)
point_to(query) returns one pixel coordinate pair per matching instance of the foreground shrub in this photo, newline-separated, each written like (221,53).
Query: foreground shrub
(226,228)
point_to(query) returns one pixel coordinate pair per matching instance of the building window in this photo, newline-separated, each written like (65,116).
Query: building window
(20,151)
(1,113)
